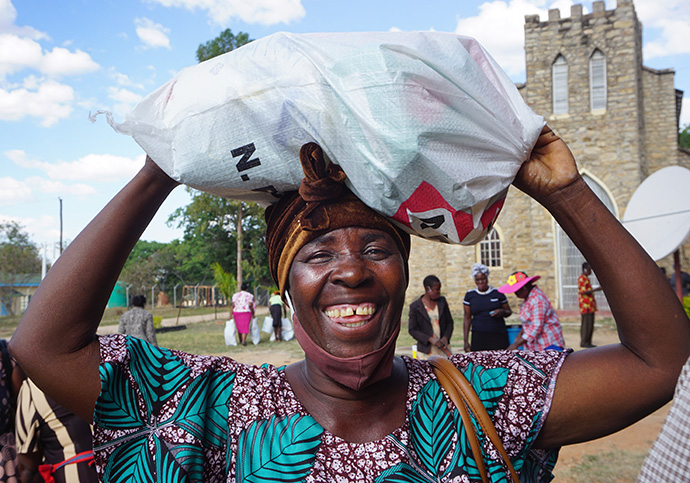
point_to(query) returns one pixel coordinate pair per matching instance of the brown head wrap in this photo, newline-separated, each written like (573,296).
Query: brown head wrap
(322,204)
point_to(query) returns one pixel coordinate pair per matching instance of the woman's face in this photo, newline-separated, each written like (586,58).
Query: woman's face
(482,282)
(523,292)
(348,289)
(434,291)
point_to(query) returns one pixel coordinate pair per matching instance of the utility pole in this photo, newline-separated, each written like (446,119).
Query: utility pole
(60,224)
(239,247)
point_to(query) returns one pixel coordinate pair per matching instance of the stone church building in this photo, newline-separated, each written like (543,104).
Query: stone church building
(584,74)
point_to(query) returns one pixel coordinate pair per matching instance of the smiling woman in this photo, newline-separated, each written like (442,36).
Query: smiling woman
(351,410)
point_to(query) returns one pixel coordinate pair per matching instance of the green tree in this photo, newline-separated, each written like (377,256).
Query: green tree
(210,236)
(225,42)
(684,137)
(19,260)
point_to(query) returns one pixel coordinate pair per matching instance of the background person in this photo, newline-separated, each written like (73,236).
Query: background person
(10,382)
(138,322)
(541,328)
(277,309)
(588,306)
(48,434)
(485,309)
(243,311)
(353,405)
(430,321)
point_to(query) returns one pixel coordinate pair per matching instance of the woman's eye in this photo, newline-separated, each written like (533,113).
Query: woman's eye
(376,253)
(318,257)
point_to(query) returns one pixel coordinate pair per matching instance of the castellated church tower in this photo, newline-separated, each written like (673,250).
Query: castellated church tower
(584,74)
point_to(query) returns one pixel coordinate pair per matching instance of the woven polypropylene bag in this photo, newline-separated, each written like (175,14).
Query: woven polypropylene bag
(428,128)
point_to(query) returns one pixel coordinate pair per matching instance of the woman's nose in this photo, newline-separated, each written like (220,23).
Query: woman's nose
(350,269)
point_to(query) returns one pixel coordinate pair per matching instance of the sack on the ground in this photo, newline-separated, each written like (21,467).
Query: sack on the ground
(230,333)
(287,331)
(267,326)
(428,128)
(254,332)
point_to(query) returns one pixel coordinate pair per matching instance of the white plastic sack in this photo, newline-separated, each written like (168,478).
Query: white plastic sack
(254,332)
(267,326)
(230,333)
(287,332)
(426,125)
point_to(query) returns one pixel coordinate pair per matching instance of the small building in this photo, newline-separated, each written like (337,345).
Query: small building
(584,74)
(18,292)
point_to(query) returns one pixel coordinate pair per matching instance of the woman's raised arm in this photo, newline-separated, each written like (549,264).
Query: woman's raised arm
(602,390)
(55,341)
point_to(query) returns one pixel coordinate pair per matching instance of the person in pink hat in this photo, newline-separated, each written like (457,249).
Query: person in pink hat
(541,328)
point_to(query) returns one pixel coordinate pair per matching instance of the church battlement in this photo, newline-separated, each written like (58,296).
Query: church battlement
(625,9)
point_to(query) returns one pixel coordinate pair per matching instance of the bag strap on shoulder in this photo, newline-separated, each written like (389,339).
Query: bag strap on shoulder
(467,402)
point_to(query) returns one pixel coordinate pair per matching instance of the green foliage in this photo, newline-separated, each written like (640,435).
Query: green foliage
(686,304)
(225,42)
(226,283)
(210,236)
(19,260)
(684,137)
(151,263)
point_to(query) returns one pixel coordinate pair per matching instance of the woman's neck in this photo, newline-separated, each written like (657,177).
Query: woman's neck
(428,302)
(355,416)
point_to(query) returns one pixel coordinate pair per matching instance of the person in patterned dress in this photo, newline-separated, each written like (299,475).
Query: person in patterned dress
(350,411)
(540,328)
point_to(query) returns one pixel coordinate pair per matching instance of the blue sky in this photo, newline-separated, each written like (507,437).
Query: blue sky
(61,60)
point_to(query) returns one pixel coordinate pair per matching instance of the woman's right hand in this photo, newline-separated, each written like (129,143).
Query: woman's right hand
(551,167)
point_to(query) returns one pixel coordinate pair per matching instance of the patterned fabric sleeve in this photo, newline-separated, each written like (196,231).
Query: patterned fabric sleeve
(27,421)
(162,415)
(532,311)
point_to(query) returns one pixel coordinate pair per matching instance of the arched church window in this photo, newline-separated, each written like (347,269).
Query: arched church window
(490,250)
(597,80)
(560,85)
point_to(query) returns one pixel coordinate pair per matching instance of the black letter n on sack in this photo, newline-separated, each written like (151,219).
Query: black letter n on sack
(245,163)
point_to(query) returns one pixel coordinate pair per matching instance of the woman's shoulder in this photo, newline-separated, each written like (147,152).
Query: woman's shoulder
(416,303)
(133,354)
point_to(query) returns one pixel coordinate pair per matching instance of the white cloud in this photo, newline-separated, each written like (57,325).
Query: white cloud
(61,62)
(48,100)
(667,24)
(40,229)
(8,15)
(153,35)
(52,187)
(92,167)
(499,27)
(125,100)
(13,191)
(18,53)
(265,12)
(123,79)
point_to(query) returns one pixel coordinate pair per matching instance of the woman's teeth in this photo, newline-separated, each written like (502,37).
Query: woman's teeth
(349,311)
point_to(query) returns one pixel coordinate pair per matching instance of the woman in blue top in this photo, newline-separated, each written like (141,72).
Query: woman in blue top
(485,311)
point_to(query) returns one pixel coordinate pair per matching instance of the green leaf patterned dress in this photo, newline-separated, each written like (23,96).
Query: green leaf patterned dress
(168,416)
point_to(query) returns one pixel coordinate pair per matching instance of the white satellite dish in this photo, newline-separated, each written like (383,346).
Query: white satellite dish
(658,214)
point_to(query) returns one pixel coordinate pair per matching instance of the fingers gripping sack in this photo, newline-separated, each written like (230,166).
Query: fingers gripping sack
(426,126)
